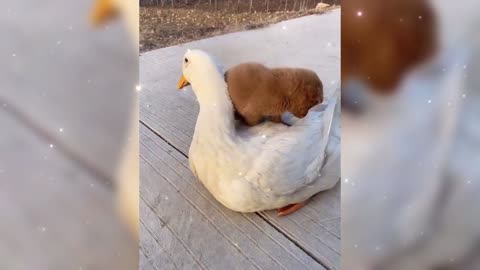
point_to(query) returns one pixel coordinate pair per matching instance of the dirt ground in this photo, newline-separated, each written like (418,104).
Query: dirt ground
(166,26)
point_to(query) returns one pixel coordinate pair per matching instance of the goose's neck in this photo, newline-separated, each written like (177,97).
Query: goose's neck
(216,114)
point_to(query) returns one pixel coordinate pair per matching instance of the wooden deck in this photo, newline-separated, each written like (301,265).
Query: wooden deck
(181,225)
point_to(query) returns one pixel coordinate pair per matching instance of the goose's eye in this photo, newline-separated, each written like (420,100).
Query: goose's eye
(186,60)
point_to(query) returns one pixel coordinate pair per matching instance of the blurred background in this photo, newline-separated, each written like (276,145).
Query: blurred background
(410,134)
(68,115)
(166,23)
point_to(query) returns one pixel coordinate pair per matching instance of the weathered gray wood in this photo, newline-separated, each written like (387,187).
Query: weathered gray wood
(54,214)
(144,262)
(333,226)
(310,233)
(186,209)
(172,115)
(167,249)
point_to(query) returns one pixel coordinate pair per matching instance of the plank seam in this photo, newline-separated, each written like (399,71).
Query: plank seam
(316,236)
(62,148)
(319,223)
(268,222)
(203,214)
(149,260)
(181,140)
(200,263)
(142,223)
(216,208)
(273,239)
(164,101)
(165,121)
(161,137)
(295,242)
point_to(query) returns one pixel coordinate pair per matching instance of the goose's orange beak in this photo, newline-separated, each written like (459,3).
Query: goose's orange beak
(102,12)
(182,83)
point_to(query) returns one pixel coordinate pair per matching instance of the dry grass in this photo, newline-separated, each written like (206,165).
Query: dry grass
(163,27)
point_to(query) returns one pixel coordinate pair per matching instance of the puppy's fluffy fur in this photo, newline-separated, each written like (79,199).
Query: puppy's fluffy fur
(258,92)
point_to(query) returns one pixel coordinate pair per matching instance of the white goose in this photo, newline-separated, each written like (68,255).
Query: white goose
(268,166)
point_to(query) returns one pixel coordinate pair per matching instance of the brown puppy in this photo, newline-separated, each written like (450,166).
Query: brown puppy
(383,39)
(258,91)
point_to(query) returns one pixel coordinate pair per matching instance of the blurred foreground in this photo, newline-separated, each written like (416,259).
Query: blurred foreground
(67,111)
(410,159)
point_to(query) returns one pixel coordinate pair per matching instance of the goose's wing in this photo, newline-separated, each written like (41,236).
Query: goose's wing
(292,159)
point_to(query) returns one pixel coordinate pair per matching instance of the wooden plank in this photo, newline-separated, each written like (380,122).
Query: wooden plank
(144,262)
(333,226)
(54,214)
(161,245)
(171,114)
(309,231)
(198,221)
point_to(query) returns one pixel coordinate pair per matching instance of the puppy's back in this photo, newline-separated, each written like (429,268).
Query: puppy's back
(298,82)
(248,80)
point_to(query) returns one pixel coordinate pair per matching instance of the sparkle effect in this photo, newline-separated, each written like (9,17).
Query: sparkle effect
(359,13)
(138,88)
